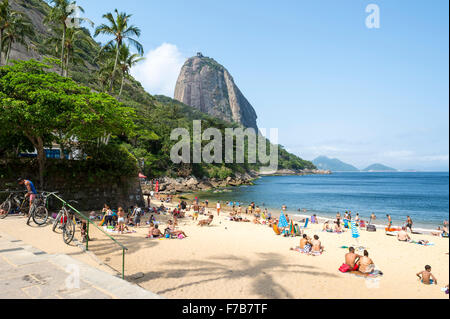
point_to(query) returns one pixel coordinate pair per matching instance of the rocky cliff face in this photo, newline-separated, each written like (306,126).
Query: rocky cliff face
(208,86)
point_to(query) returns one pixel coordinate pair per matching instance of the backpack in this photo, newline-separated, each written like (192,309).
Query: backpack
(344,268)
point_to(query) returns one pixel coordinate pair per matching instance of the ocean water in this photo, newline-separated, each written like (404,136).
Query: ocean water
(423,196)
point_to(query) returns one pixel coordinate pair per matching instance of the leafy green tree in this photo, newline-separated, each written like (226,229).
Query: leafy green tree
(43,106)
(119,28)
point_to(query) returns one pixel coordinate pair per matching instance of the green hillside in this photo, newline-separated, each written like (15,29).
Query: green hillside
(91,65)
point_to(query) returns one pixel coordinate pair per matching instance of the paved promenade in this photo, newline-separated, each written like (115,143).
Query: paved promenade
(29,273)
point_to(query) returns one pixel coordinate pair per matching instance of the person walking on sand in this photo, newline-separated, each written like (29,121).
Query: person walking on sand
(426,277)
(218,208)
(409,223)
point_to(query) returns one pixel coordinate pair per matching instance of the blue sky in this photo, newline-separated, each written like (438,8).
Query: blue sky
(314,70)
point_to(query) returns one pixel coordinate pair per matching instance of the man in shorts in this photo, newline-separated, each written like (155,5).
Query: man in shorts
(31,190)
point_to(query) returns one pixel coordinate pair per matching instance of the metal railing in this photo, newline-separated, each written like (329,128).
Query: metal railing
(87,231)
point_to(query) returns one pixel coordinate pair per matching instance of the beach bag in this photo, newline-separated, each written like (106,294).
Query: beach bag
(344,268)
(371,228)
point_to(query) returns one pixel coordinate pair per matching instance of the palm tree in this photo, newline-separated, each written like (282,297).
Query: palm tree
(19,28)
(73,39)
(118,28)
(126,62)
(60,14)
(6,16)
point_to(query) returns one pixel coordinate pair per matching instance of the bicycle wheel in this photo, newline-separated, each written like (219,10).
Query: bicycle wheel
(5,208)
(68,231)
(57,221)
(40,215)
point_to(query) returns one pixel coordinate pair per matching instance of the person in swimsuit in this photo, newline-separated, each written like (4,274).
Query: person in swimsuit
(317,247)
(31,190)
(351,259)
(365,264)
(338,219)
(426,277)
(389,221)
(409,223)
(403,235)
(121,220)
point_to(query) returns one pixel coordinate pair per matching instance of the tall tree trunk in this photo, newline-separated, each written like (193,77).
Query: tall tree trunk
(41,161)
(115,66)
(63,42)
(121,85)
(66,65)
(1,46)
(8,52)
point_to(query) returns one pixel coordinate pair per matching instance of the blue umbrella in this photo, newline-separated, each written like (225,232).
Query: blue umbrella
(355,231)
(283,222)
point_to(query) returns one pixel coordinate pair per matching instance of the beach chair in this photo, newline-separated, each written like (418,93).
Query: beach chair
(306,224)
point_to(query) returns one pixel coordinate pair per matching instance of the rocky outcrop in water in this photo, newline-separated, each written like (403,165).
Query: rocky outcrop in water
(208,86)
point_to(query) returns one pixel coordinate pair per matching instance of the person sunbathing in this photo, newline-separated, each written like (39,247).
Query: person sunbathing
(338,228)
(317,247)
(365,264)
(351,259)
(403,235)
(327,227)
(173,231)
(206,222)
(155,232)
(426,277)
(256,221)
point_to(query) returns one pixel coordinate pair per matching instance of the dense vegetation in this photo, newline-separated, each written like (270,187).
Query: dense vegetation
(82,63)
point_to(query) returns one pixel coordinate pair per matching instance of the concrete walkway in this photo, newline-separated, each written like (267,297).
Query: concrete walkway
(28,273)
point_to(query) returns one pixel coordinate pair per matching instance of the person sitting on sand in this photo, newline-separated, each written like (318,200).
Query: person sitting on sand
(256,221)
(351,259)
(403,235)
(206,222)
(327,227)
(173,231)
(155,232)
(365,264)
(317,248)
(426,277)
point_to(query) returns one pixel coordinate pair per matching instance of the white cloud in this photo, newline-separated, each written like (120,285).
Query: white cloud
(159,72)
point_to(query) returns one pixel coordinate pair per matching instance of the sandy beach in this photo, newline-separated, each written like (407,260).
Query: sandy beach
(244,260)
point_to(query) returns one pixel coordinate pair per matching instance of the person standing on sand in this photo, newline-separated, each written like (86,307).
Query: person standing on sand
(409,223)
(426,277)
(372,217)
(121,219)
(389,221)
(218,208)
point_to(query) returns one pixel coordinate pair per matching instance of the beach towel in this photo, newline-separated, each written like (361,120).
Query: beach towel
(421,243)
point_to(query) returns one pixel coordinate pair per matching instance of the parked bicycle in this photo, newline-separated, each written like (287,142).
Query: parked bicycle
(39,209)
(16,202)
(65,219)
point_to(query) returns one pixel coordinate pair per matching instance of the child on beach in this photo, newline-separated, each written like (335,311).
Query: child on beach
(121,220)
(426,277)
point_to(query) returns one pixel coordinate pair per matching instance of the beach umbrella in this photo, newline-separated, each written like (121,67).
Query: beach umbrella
(283,222)
(291,228)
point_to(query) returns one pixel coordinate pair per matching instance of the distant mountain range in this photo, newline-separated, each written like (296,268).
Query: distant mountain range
(333,164)
(336,165)
(379,168)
